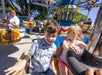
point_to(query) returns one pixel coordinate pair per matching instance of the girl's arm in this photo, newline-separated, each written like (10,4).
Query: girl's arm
(65,45)
(72,46)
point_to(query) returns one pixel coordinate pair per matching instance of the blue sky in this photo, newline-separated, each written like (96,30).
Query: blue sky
(92,14)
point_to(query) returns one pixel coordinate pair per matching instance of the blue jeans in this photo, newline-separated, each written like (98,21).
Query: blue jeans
(47,72)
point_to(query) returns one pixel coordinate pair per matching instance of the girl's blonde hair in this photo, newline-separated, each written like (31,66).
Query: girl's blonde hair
(77,30)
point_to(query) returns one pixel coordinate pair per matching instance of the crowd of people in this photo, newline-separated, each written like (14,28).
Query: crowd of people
(43,51)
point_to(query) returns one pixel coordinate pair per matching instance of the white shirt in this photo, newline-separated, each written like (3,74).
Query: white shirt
(14,20)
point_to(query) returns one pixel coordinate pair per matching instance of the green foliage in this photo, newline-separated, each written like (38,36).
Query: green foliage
(10,6)
(78,18)
(43,11)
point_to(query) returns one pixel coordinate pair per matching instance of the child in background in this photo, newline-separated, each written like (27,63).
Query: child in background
(41,53)
(74,42)
(30,18)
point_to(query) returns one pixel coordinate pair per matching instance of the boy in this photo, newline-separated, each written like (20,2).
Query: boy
(41,53)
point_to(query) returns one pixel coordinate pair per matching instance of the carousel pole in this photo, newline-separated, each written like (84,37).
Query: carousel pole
(28,4)
(89,9)
(3,9)
(28,9)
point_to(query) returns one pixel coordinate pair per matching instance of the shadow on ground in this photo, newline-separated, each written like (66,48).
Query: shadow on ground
(5,60)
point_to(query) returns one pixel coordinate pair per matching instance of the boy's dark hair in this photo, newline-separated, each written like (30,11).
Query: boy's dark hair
(52,26)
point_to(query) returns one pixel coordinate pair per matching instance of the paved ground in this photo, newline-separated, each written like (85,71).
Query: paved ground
(11,53)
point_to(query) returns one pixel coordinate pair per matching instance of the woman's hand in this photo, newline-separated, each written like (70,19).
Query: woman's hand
(82,45)
(75,48)
(93,71)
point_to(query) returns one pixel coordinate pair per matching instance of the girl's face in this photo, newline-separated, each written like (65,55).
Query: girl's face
(50,38)
(71,35)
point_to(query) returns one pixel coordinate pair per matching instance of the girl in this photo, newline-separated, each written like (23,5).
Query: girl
(87,63)
(73,42)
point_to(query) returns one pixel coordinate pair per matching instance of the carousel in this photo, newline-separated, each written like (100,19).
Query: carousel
(65,10)
(66,15)
(8,36)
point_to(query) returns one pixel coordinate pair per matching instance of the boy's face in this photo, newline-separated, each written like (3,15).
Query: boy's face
(50,38)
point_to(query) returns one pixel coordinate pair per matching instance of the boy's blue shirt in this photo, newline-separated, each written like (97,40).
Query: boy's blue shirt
(41,54)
